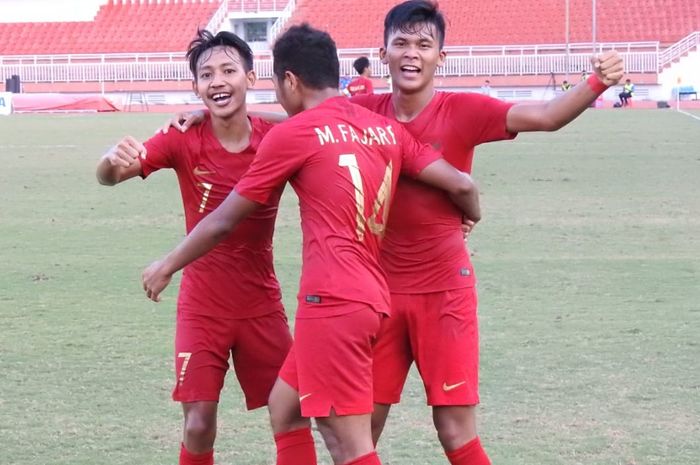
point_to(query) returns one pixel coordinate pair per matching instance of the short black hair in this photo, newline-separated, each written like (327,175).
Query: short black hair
(361,64)
(206,41)
(308,53)
(409,16)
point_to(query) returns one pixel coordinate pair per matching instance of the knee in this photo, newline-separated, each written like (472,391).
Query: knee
(281,425)
(200,426)
(455,427)
(450,434)
(284,418)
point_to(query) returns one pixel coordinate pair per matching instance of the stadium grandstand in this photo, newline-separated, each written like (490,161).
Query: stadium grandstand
(131,52)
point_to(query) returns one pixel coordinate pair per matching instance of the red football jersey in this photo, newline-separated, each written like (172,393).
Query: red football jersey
(237,278)
(343,161)
(360,85)
(424,250)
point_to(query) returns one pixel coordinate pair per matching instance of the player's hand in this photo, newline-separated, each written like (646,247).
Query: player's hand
(126,152)
(183,121)
(609,67)
(467,226)
(155,280)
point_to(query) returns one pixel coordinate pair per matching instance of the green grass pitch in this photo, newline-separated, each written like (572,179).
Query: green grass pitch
(588,260)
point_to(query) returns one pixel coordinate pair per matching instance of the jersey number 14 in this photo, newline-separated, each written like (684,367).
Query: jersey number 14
(382,199)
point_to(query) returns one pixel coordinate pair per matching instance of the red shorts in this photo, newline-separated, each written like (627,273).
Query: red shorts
(440,332)
(257,346)
(330,363)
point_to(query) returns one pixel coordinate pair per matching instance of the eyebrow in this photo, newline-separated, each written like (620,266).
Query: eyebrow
(420,38)
(228,63)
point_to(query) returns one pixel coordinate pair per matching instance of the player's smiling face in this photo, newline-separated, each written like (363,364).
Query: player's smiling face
(413,56)
(222,81)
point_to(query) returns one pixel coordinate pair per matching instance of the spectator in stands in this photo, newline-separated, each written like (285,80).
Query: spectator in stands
(584,75)
(566,85)
(361,84)
(626,94)
(486,88)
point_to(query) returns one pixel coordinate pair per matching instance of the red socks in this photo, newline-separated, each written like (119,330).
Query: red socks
(295,448)
(370,459)
(469,454)
(188,458)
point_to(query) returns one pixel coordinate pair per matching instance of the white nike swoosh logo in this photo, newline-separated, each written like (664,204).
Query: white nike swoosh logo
(301,398)
(200,172)
(448,387)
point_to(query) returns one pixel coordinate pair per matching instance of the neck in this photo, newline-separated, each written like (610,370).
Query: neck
(408,105)
(314,98)
(233,132)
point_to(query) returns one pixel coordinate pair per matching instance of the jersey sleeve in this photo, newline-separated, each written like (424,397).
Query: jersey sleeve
(480,118)
(279,156)
(364,100)
(415,155)
(162,151)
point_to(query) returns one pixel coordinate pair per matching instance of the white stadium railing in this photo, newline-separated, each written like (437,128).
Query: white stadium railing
(640,57)
(286,14)
(114,71)
(218,17)
(680,48)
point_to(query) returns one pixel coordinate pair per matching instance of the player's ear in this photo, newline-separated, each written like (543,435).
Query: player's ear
(194,88)
(291,81)
(251,77)
(442,56)
(382,55)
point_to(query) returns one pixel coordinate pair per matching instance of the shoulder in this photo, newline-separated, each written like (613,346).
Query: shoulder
(173,139)
(371,101)
(471,102)
(260,125)
(461,98)
(281,135)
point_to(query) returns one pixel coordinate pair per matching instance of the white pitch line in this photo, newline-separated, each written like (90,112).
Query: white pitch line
(688,114)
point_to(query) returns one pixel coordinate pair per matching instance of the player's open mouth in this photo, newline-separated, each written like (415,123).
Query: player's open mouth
(410,70)
(221,98)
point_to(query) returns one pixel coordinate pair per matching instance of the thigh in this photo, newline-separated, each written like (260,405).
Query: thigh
(445,339)
(333,359)
(392,352)
(202,346)
(260,347)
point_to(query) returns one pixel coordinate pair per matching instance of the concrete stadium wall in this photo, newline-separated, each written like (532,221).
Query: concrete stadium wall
(685,72)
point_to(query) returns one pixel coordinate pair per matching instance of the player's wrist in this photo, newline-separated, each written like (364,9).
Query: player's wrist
(596,84)
(167,268)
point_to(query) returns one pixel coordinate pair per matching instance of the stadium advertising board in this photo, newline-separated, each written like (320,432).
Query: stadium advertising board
(5,103)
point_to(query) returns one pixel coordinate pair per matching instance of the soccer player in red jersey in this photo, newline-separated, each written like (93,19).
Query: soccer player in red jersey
(432,282)
(361,84)
(343,161)
(230,301)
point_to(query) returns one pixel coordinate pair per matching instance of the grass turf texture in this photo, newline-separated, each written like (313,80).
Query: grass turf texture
(588,260)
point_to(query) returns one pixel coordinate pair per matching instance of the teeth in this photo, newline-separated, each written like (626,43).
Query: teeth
(220,96)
